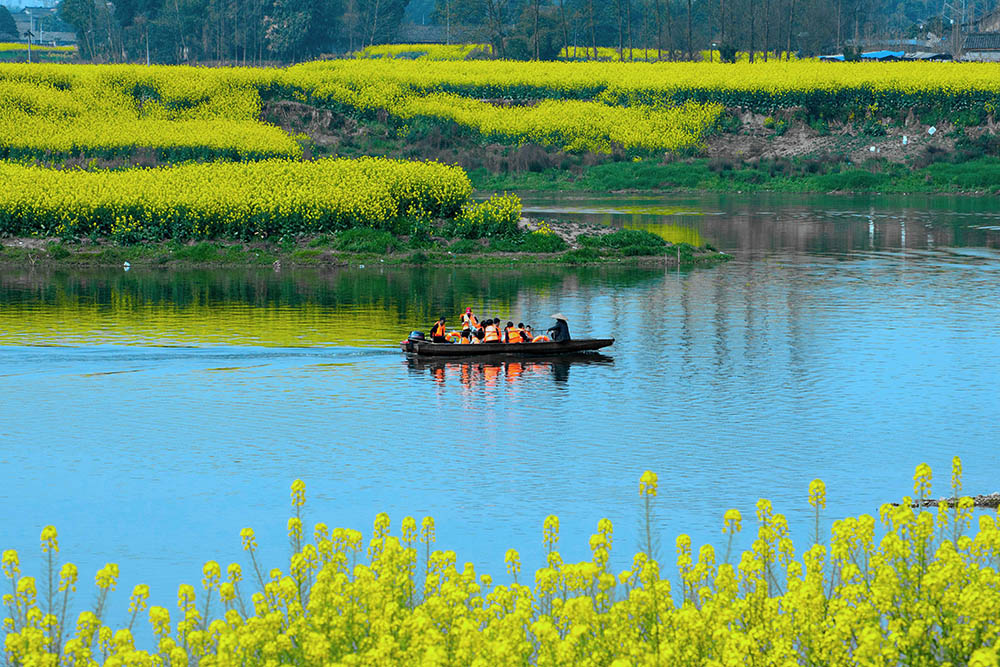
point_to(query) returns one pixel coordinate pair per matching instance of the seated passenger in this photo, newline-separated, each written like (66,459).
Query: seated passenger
(490,333)
(512,333)
(525,332)
(439,331)
(559,332)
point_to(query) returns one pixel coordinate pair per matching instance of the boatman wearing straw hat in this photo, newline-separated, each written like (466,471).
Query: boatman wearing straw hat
(559,332)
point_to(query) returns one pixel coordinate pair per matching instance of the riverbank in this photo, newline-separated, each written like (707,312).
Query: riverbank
(978,176)
(744,152)
(537,242)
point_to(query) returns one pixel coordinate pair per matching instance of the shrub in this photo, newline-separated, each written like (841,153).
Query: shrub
(366,240)
(542,241)
(582,256)
(57,251)
(465,247)
(496,217)
(201,252)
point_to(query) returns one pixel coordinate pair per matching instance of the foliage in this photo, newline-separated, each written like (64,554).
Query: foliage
(422,51)
(366,240)
(496,217)
(917,590)
(543,241)
(119,111)
(819,88)
(235,200)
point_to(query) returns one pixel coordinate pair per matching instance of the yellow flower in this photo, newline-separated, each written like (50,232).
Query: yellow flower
(298,493)
(550,531)
(732,521)
(211,574)
(922,480)
(513,560)
(817,493)
(11,564)
(427,532)
(295,528)
(67,577)
(49,539)
(648,483)
(107,576)
(137,602)
(249,540)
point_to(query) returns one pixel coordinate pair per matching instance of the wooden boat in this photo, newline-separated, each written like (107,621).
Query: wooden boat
(429,349)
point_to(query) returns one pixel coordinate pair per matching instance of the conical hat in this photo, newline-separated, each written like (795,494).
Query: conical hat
(560,316)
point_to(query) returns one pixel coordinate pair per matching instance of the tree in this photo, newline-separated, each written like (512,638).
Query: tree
(7,26)
(286,27)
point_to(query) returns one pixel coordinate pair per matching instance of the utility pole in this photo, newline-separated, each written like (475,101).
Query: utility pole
(29,34)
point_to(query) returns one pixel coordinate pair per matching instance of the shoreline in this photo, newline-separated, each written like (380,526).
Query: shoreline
(574,244)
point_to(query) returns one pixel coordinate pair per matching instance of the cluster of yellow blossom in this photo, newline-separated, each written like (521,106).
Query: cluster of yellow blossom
(642,107)
(21,46)
(112,111)
(897,595)
(650,54)
(423,51)
(226,200)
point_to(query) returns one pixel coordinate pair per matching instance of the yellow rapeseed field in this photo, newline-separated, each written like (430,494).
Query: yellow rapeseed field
(423,51)
(906,588)
(643,108)
(178,113)
(272,198)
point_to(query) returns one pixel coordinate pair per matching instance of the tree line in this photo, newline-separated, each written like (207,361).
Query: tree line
(256,32)
(230,32)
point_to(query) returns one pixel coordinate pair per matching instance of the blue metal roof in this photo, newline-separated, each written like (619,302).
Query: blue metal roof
(882,55)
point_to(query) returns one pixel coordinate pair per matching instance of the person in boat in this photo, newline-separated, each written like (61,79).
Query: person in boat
(559,332)
(525,332)
(491,334)
(513,334)
(469,320)
(439,332)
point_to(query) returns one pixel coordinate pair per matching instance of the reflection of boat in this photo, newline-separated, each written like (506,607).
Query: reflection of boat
(490,370)
(540,349)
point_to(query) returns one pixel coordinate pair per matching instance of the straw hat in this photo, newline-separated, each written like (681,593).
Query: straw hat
(560,316)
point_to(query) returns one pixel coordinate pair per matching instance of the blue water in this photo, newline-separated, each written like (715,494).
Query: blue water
(151,416)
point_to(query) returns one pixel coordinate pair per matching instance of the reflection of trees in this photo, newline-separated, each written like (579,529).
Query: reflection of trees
(351,306)
(819,223)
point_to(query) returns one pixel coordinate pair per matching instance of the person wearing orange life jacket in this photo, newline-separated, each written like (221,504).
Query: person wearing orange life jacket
(513,334)
(524,331)
(469,320)
(439,331)
(491,334)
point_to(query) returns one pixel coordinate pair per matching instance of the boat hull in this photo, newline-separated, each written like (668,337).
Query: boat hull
(429,349)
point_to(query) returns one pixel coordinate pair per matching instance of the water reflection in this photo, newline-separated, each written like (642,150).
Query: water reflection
(766,222)
(494,371)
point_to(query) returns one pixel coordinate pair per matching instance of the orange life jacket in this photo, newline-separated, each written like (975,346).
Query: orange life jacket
(438,329)
(469,321)
(513,335)
(491,335)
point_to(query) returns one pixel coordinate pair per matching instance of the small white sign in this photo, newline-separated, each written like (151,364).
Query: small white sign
(931,130)
(906,140)
(872,149)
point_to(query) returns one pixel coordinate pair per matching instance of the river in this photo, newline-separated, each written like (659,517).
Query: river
(151,415)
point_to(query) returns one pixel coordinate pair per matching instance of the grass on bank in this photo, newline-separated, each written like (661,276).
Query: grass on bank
(977,175)
(363,246)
